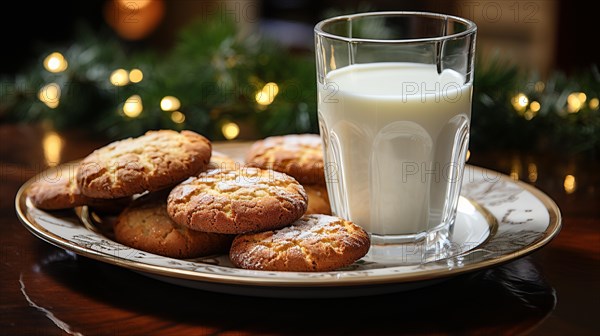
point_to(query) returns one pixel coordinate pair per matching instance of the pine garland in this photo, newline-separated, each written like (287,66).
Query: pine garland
(515,109)
(226,84)
(214,72)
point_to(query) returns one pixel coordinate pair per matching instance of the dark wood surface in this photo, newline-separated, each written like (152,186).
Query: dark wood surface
(45,290)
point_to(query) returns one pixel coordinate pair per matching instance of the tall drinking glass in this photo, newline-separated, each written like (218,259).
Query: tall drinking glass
(394,104)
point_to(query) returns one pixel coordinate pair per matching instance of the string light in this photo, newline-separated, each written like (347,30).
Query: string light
(539,86)
(119,77)
(55,62)
(575,101)
(230,130)
(529,114)
(53,145)
(594,103)
(515,169)
(170,103)
(136,75)
(49,94)
(533,172)
(570,184)
(177,117)
(535,106)
(133,106)
(520,102)
(267,94)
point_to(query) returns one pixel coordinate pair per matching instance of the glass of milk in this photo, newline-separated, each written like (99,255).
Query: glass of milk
(394,105)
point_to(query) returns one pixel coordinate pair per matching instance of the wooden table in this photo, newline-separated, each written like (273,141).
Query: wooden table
(45,290)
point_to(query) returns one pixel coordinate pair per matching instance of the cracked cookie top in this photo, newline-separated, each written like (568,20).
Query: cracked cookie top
(312,243)
(237,201)
(153,161)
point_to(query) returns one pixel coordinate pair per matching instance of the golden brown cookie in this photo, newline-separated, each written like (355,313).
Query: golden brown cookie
(146,225)
(58,190)
(314,243)
(153,161)
(298,155)
(318,199)
(237,201)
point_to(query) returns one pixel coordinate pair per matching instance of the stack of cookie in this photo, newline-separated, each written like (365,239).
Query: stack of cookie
(190,201)
(297,155)
(58,190)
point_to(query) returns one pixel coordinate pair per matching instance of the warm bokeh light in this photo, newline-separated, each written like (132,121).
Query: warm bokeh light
(49,94)
(539,86)
(139,4)
(53,145)
(55,62)
(133,106)
(570,184)
(134,19)
(533,172)
(468,155)
(119,77)
(529,114)
(267,94)
(594,103)
(515,168)
(170,103)
(177,117)
(136,75)
(575,101)
(230,130)
(520,102)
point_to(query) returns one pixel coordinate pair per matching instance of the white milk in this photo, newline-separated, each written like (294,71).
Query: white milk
(398,132)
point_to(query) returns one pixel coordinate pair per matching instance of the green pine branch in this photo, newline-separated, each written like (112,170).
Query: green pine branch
(216,73)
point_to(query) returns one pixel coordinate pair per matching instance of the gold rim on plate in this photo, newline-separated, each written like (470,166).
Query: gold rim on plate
(286,279)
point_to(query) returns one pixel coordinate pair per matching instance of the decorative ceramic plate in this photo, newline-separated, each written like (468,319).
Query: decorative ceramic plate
(498,220)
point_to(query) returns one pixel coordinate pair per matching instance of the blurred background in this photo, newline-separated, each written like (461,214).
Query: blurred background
(244,69)
(541,34)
